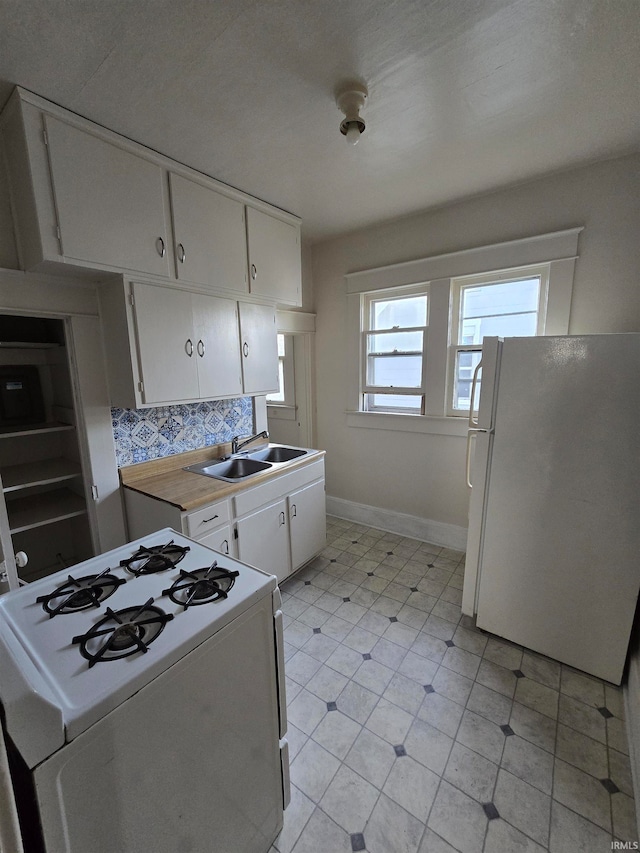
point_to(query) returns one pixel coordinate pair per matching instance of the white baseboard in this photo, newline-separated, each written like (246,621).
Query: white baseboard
(447,535)
(632,714)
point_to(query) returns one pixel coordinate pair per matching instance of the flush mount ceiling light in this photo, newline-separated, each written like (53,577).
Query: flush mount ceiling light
(350,98)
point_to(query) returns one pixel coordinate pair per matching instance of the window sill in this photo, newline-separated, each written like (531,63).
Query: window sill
(281,412)
(408,423)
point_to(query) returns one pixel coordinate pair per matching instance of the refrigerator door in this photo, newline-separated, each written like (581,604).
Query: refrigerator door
(560,535)
(479,444)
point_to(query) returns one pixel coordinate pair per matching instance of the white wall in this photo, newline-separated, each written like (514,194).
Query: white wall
(423,475)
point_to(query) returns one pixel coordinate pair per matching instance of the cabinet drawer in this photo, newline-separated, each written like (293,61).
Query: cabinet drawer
(203,521)
(250,499)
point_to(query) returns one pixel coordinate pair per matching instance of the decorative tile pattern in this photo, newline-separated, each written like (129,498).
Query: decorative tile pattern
(413,732)
(143,434)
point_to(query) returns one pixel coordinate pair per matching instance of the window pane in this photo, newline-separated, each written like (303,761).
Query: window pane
(405,313)
(395,402)
(506,309)
(280,345)
(465,365)
(278,396)
(395,371)
(395,342)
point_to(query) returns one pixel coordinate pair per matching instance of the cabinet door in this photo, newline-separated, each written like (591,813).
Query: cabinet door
(109,202)
(263,540)
(209,230)
(166,345)
(308,523)
(217,346)
(220,540)
(259,343)
(274,257)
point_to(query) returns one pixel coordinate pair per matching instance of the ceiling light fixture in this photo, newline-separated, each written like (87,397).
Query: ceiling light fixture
(350,98)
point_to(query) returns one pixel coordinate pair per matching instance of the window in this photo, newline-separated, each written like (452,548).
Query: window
(285,395)
(416,327)
(507,304)
(394,333)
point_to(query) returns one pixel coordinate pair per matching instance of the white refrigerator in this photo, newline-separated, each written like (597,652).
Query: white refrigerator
(553,456)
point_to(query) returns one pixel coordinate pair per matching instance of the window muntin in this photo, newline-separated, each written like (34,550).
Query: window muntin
(394,331)
(511,303)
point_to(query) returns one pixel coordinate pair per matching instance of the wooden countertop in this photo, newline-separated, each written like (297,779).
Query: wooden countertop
(165,480)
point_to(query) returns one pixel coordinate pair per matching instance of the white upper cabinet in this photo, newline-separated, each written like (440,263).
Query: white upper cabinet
(259,343)
(109,202)
(274,258)
(210,242)
(215,329)
(85,197)
(165,345)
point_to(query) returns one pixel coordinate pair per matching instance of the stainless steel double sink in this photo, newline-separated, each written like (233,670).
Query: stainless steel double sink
(240,466)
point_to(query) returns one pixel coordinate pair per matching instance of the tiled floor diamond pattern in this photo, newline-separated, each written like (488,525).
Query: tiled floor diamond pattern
(412,732)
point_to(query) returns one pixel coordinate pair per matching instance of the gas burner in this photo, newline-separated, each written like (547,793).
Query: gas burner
(155,558)
(122,633)
(200,586)
(80,594)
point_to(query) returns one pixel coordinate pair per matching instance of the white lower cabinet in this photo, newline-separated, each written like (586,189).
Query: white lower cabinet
(263,539)
(277,526)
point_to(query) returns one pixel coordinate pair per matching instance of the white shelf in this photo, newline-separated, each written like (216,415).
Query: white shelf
(46,508)
(41,473)
(35,429)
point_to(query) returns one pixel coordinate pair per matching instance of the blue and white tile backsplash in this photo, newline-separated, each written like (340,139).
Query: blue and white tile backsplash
(142,434)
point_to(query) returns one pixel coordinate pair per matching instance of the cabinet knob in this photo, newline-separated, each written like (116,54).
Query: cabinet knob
(294,511)
(188,347)
(254,272)
(200,348)
(207,520)
(283,519)
(160,247)
(245,349)
(224,547)
(181,253)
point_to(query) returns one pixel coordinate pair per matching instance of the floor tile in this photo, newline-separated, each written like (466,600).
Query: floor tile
(458,819)
(313,769)
(571,833)
(523,806)
(391,827)
(321,833)
(412,786)
(472,773)
(371,757)
(528,762)
(336,733)
(583,793)
(402,713)
(349,800)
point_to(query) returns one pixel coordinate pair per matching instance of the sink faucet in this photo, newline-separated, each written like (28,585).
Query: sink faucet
(237,445)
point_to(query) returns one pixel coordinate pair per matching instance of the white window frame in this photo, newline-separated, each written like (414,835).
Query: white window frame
(541,271)
(366,332)
(559,250)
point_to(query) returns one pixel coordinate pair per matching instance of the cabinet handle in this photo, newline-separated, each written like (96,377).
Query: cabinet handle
(207,520)
(201,352)
(225,546)
(254,272)
(181,253)
(294,511)
(160,247)
(283,519)
(245,349)
(188,347)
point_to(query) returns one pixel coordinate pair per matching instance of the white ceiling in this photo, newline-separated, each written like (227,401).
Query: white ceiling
(465,95)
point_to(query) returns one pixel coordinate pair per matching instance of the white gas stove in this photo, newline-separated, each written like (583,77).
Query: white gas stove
(91,659)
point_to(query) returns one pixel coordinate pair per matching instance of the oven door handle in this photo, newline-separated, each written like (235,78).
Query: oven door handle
(282,695)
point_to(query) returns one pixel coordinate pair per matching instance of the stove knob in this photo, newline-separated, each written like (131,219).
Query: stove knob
(21,559)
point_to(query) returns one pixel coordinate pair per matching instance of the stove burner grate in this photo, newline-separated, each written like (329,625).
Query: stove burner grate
(155,558)
(201,586)
(80,593)
(122,633)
